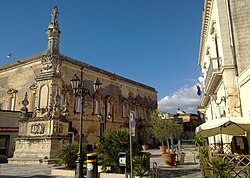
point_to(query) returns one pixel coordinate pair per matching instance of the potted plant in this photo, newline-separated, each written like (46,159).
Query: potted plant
(247,173)
(67,158)
(143,136)
(68,155)
(141,165)
(220,167)
(198,140)
(111,143)
(163,130)
(204,159)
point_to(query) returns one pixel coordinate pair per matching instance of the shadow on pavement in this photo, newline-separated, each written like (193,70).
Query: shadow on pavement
(163,173)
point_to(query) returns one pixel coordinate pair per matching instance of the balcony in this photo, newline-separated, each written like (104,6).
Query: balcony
(214,75)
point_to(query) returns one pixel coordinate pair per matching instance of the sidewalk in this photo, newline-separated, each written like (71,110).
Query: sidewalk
(190,168)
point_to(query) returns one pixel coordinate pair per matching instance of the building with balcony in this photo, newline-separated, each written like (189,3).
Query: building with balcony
(224,58)
(39,86)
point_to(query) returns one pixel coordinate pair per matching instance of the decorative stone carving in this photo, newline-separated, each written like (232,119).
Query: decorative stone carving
(24,109)
(12,91)
(37,128)
(53,33)
(57,128)
(51,63)
(33,86)
(56,112)
(65,111)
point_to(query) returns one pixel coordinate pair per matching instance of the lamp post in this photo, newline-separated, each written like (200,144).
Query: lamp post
(80,92)
(103,119)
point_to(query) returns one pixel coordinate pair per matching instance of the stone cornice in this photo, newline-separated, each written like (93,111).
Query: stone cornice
(22,61)
(38,56)
(206,15)
(112,75)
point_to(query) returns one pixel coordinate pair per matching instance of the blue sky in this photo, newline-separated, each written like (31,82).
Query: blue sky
(155,42)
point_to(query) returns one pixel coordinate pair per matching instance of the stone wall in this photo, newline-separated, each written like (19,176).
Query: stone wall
(21,76)
(241,26)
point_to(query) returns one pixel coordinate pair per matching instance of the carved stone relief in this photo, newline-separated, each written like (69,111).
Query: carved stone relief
(37,128)
(57,128)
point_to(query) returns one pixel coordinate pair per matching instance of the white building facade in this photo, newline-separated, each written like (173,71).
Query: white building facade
(224,58)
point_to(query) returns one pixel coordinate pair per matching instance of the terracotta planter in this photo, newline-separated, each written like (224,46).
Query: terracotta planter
(144,147)
(170,158)
(163,149)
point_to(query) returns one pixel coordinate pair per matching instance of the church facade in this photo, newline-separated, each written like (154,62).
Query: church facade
(39,86)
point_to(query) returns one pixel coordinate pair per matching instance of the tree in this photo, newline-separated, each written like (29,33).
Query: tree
(144,133)
(163,129)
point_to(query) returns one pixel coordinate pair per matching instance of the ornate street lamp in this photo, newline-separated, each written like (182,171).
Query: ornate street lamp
(106,115)
(80,92)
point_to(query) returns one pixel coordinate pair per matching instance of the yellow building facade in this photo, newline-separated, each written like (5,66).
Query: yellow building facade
(50,109)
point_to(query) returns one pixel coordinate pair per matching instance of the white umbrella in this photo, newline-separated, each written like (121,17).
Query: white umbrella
(225,125)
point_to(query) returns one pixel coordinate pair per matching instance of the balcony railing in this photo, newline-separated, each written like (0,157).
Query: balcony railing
(213,71)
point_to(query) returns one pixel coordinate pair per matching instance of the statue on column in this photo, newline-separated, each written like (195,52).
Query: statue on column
(54,14)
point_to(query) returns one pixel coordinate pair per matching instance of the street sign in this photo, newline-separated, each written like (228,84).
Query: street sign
(132,123)
(122,159)
(122,162)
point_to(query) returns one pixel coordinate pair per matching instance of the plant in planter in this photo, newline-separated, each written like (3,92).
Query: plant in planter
(68,156)
(247,173)
(220,168)
(198,140)
(141,165)
(143,135)
(110,144)
(204,159)
(163,130)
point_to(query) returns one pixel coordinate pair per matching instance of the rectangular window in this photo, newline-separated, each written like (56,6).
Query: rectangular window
(4,141)
(109,108)
(124,110)
(142,113)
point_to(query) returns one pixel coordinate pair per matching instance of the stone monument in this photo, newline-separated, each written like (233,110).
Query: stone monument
(43,132)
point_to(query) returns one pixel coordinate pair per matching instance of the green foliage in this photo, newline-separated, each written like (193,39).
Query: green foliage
(141,165)
(203,155)
(163,129)
(68,156)
(220,168)
(143,134)
(198,140)
(247,173)
(110,144)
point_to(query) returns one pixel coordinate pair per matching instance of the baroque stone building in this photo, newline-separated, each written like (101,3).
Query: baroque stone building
(224,58)
(39,85)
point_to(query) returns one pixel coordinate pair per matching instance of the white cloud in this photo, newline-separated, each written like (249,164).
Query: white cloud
(185,98)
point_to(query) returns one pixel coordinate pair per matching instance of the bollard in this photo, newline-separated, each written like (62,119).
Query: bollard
(92,167)
(155,171)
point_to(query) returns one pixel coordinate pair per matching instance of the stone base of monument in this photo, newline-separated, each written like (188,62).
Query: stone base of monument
(37,150)
(31,161)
